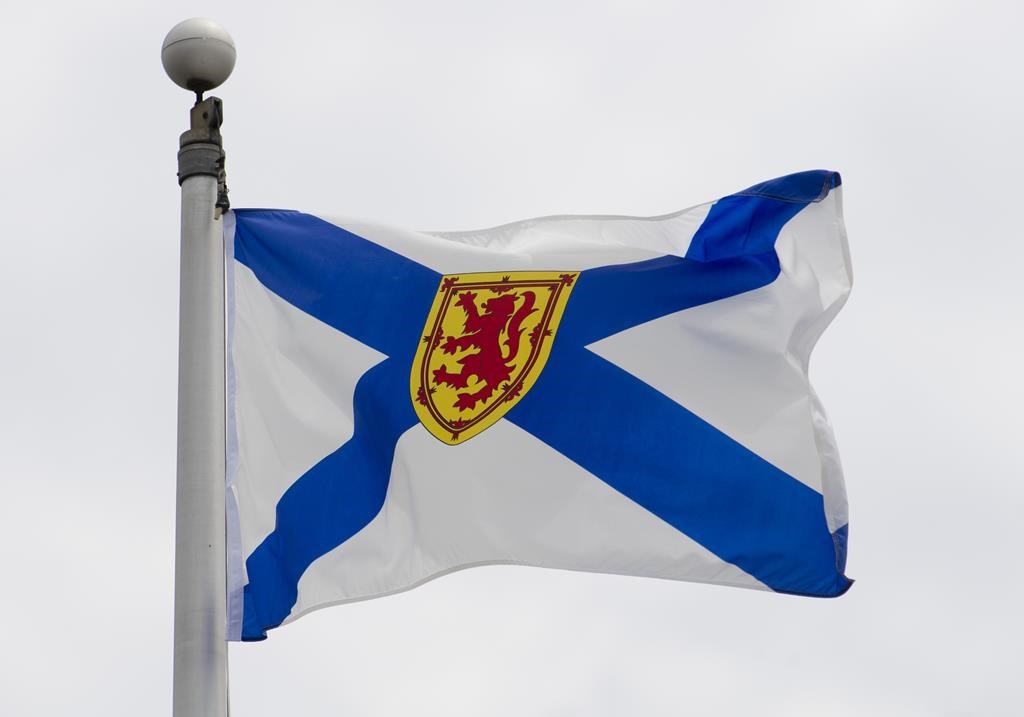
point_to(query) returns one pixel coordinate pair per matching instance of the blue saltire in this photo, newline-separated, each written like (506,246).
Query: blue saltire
(670,461)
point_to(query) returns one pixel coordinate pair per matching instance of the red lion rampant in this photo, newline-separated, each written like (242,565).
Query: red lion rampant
(484,332)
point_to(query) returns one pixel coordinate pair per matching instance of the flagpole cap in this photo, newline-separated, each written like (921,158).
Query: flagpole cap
(198,54)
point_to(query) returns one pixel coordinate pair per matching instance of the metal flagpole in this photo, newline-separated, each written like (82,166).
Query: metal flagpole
(199,55)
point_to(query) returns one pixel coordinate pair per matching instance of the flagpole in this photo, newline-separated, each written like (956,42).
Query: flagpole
(199,55)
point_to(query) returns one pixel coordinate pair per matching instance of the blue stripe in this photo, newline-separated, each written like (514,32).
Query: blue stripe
(360,288)
(733,251)
(610,299)
(802,187)
(748,223)
(655,452)
(332,502)
(623,431)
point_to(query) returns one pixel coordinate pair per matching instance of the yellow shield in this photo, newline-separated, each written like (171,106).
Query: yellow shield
(485,342)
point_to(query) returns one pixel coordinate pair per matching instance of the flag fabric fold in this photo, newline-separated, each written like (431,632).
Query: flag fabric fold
(601,393)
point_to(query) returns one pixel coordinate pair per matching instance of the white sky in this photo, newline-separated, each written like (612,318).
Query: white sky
(449,115)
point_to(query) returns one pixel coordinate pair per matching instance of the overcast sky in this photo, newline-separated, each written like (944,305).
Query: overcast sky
(456,115)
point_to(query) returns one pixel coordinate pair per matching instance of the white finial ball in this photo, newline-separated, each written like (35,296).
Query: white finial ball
(198,54)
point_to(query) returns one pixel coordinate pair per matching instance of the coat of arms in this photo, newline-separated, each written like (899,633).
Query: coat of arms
(485,342)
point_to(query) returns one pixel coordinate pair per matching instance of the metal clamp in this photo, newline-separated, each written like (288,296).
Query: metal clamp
(202,151)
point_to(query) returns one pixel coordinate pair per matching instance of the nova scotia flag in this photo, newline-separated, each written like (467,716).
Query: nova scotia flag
(600,393)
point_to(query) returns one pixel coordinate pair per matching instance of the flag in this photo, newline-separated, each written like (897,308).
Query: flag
(600,393)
